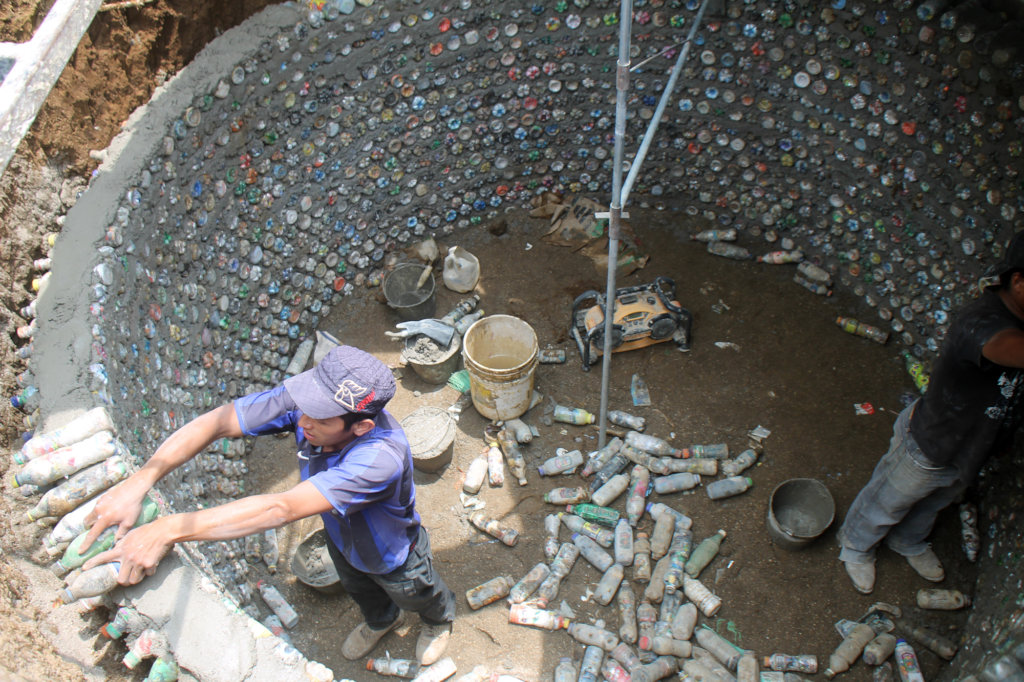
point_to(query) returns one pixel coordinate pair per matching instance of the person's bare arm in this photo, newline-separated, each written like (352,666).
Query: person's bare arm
(142,548)
(121,505)
(1005,348)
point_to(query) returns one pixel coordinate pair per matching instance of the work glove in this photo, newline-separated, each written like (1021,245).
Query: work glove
(435,329)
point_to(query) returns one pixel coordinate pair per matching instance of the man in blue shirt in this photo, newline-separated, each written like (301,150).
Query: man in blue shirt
(356,470)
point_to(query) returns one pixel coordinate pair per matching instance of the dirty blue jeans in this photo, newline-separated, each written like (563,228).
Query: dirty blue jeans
(901,501)
(414,586)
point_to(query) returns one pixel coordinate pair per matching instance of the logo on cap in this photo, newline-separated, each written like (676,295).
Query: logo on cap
(349,391)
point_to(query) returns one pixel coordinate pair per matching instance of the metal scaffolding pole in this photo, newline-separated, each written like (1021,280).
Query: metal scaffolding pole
(620,193)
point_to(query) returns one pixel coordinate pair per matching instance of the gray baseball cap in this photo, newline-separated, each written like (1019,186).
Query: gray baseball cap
(346,380)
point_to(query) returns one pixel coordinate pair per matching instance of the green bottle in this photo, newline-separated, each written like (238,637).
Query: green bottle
(704,553)
(592,512)
(74,557)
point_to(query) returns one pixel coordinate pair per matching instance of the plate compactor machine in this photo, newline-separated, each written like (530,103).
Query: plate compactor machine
(641,316)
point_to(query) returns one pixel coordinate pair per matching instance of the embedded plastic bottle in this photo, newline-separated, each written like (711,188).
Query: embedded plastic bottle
(525,614)
(164,669)
(598,534)
(849,650)
(629,421)
(651,444)
(489,592)
(684,621)
(70,526)
(93,421)
(704,553)
(80,487)
(781,257)
(463,325)
(858,328)
(393,667)
(907,663)
(573,415)
(599,457)
(701,596)
(615,464)
(612,671)
(607,493)
(150,642)
(495,466)
(551,525)
(938,644)
(513,455)
(561,464)
(592,552)
(669,646)
(656,509)
(278,604)
(674,483)
(590,666)
(660,668)
(75,555)
(127,619)
(728,235)
(438,672)
(727,250)
(641,557)
(743,461)
(508,536)
(575,495)
(609,584)
(646,617)
(721,648)
(639,485)
(942,600)
(529,583)
(565,671)
(623,541)
(97,580)
(747,669)
(461,309)
(597,514)
(728,487)
(700,465)
(627,613)
(271,552)
(624,654)
(475,475)
(593,635)
(662,535)
(879,649)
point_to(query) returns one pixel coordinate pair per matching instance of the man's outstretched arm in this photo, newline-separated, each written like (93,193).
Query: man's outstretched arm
(142,548)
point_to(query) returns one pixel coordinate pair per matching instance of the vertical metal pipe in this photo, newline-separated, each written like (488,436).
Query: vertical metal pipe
(615,210)
(666,95)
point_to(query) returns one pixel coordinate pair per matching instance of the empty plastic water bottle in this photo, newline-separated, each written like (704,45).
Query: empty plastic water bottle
(629,421)
(728,487)
(278,604)
(529,583)
(489,592)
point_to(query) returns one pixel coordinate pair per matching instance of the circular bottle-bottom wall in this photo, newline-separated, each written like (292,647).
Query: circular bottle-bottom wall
(878,140)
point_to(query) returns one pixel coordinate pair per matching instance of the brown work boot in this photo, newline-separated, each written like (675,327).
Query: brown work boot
(363,639)
(927,565)
(861,575)
(432,642)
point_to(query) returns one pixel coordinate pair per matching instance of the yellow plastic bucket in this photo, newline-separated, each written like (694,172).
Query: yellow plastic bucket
(500,353)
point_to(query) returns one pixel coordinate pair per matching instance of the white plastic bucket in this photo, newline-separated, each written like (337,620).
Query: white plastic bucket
(500,352)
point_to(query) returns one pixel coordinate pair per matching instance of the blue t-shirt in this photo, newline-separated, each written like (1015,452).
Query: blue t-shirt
(369,482)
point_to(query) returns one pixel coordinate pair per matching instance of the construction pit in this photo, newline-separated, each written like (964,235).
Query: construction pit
(266,190)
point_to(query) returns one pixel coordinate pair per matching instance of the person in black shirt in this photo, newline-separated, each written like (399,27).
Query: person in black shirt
(971,410)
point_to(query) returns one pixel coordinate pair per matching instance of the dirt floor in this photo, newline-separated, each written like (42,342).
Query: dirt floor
(790,369)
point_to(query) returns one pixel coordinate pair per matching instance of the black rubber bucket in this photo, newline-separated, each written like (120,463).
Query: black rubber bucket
(408,300)
(799,511)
